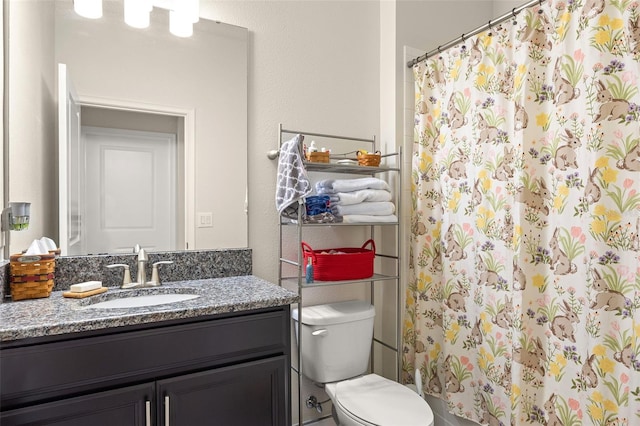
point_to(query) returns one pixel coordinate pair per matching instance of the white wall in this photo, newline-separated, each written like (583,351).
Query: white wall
(500,7)
(313,66)
(31,97)
(2,109)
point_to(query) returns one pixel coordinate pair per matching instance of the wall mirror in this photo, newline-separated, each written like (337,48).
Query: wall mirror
(133,86)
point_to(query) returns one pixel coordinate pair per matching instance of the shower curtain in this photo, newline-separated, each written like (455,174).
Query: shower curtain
(523,297)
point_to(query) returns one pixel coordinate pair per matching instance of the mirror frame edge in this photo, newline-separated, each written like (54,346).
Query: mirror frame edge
(5,124)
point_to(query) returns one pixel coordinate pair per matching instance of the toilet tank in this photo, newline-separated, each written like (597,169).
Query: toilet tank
(335,339)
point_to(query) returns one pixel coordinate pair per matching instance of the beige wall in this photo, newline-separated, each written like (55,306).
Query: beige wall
(32,152)
(2,110)
(500,7)
(313,66)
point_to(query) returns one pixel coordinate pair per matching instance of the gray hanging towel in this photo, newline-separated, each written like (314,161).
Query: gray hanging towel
(292,183)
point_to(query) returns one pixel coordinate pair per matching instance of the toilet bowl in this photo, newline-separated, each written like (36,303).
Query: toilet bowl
(335,343)
(372,400)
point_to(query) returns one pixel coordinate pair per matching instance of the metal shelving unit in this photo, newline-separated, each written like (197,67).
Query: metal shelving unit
(298,280)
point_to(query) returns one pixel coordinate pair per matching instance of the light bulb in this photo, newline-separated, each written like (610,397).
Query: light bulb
(192,9)
(91,9)
(179,24)
(136,13)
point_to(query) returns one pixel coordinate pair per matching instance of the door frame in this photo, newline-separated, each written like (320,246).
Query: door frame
(67,96)
(188,135)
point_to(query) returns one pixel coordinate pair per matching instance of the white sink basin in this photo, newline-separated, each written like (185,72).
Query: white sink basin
(141,301)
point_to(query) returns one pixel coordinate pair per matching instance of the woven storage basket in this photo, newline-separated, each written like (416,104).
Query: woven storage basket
(366,159)
(318,157)
(31,277)
(349,264)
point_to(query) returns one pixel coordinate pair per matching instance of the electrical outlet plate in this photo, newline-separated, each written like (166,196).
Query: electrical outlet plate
(204,220)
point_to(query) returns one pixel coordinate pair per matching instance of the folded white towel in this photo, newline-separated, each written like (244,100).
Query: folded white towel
(361,196)
(376,208)
(363,218)
(332,186)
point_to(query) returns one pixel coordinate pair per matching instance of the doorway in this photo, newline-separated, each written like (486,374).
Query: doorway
(130,190)
(133,179)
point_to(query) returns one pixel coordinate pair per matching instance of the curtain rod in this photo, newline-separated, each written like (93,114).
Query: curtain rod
(478,30)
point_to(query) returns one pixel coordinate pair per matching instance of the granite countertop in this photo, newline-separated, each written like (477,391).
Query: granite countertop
(59,315)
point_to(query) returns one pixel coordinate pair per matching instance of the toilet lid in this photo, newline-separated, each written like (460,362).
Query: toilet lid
(383,402)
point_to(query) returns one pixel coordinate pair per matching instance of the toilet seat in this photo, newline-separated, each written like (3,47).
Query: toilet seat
(372,400)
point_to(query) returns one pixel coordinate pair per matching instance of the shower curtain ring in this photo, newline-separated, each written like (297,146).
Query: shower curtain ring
(490,33)
(513,13)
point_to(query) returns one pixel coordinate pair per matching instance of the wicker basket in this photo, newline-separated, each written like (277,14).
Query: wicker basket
(318,157)
(366,159)
(31,277)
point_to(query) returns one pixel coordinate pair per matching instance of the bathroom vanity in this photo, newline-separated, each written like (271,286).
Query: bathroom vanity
(221,358)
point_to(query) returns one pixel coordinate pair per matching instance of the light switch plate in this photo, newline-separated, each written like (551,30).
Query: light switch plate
(204,220)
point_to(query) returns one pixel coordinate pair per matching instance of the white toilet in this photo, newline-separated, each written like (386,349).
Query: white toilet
(336,341)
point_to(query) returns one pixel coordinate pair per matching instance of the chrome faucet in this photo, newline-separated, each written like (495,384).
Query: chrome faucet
(141,276)
(141,279)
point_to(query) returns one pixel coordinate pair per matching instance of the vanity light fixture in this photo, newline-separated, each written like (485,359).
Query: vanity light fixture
(179,24)
(192,8)
(91,9)
(136,13)
(182,14)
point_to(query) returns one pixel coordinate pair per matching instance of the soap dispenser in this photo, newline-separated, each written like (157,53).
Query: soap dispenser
(309,270)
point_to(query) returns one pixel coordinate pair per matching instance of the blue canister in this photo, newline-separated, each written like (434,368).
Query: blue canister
(309,270)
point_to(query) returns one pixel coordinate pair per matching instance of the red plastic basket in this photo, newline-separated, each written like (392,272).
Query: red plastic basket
(349,263)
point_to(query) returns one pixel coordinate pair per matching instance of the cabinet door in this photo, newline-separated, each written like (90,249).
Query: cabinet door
(248,394)
(130,406)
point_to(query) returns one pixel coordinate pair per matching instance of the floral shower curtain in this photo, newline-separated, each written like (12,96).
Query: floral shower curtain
(523,298)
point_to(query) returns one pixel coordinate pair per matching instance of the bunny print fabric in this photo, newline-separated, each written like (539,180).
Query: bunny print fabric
(523,295)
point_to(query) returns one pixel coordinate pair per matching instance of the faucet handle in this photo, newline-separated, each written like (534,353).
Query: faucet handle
(155,276)
(126,280)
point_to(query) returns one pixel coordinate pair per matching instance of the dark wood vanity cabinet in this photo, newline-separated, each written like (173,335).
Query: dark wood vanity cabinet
(223,369)
(245,394)
(127,406)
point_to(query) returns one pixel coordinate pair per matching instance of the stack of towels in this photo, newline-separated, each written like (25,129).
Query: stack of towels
(359,200)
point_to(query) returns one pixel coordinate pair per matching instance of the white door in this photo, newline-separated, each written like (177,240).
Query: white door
(130,190)
(70,189)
